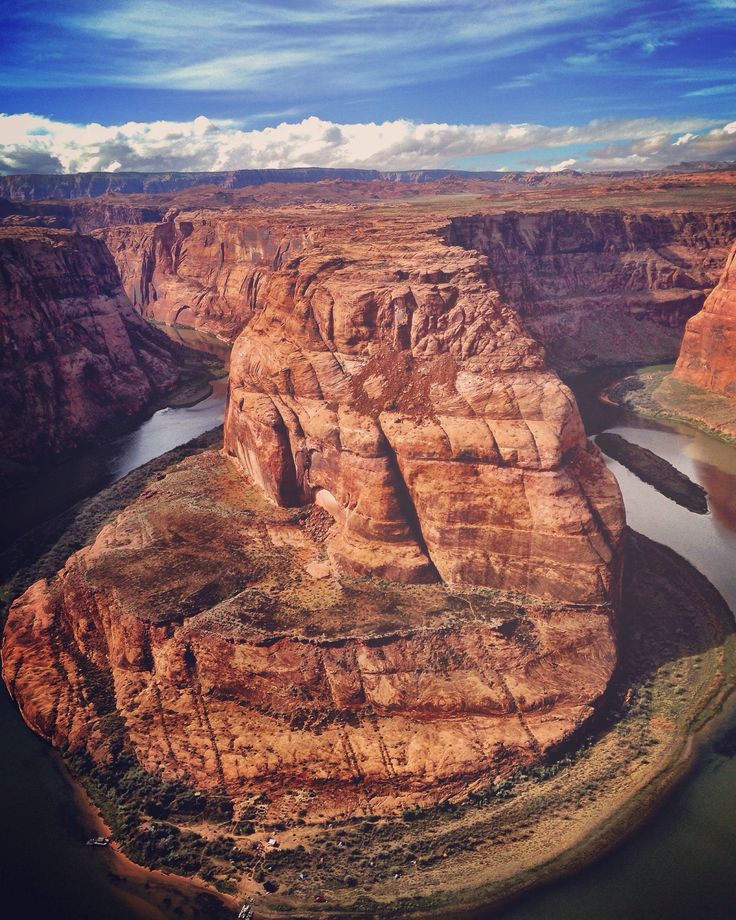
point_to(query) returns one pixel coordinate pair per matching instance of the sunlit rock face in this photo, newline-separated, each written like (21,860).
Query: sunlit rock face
(384,380)
(400,577)
(75,355)
(708,354)
(233,657)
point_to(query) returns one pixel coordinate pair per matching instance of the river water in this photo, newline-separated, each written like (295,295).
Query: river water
(682,866)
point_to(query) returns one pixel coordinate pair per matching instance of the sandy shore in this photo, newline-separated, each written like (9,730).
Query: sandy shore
(152,894)
(655,393)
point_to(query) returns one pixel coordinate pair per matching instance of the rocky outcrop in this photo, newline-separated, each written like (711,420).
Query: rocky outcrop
(74,355)
(80,214)
(93,185)
(201,269)
(708,354)
(231,657)
(384,380)
(604,286)
(398,580)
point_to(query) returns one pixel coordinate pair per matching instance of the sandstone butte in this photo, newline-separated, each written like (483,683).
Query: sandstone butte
(75,354)
(708,353)
(399,579)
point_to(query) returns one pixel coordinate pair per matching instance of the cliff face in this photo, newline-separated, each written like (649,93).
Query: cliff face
(92,185)
(605,286)
(708,354)
(241,665)
(74,355)
(204,269)
(384,380)
(80,214)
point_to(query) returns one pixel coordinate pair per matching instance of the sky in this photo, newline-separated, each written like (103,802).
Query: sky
(89,85)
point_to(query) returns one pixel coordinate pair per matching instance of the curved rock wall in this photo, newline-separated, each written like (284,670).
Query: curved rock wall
(202,269)
(708,354)
(606,286)
(74,355)
(234,664)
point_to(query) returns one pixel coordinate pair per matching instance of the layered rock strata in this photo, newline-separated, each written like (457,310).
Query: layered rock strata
(201,269)
(385,381)
(708,353)
(605,286)
(74,355)
(230,656)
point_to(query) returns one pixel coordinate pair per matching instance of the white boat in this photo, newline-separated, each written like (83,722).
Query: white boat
(98,841)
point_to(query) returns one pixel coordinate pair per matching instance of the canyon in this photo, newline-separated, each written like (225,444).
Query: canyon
(75,355)
(400,580)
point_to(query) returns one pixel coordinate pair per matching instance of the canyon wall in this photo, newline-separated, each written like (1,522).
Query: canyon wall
(400,577)
(708,354)
(203,269)
(384,380)
(93,185)
(607,286)
(74,355)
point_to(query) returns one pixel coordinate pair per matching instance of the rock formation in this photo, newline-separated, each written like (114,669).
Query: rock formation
(93,185)
(384,380)
(604,286)
(232,658)
(74,354)
(203,269)
(708,354)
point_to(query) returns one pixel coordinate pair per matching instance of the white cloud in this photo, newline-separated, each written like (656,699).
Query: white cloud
(557,167)
(32,143)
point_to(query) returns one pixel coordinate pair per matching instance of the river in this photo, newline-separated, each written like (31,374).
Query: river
(682,866)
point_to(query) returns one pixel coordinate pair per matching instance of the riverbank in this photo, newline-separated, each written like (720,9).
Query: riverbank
(151,893)
(655,393)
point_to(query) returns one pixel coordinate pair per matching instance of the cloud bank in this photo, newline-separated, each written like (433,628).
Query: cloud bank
(33,143)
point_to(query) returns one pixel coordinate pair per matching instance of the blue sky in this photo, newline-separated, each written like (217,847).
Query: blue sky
(136,84)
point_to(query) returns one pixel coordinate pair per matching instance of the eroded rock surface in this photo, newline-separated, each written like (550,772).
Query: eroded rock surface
(241,664)
(74,355)
(607,286)
(201,269)
(386,381)
(708,354)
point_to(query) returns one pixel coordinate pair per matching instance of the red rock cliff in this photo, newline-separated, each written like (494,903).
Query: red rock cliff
(385,381)
(708,354)
(604,286)
(203,269)
(74,355)
(241,665)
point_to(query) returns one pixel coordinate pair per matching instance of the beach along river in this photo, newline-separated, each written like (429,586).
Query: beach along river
(682,866)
